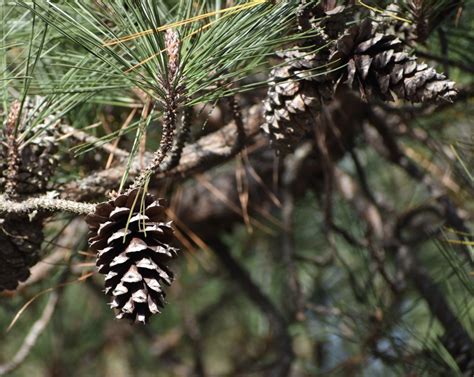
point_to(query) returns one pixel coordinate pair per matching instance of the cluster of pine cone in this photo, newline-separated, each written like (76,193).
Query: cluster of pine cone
(358,58)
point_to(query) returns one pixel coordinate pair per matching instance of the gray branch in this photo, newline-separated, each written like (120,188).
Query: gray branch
(45,203)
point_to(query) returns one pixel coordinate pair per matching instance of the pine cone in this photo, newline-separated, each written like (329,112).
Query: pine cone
(37,154)
(299,88)
(294,102)
(20,241)
(377,66)
(328,20)
(133,257)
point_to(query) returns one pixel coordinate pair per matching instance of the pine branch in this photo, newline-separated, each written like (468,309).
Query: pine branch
(410,264)
(181,139)
(47,202)
(171,102)
(207,152)
(255,294)
(84,137)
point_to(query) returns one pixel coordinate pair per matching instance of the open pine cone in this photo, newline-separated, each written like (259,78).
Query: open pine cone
(378,67)
(299,88)
(133,240)
(293,102)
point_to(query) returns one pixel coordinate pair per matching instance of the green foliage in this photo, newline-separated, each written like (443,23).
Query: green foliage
(64,51)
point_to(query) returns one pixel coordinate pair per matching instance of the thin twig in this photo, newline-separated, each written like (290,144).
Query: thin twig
(239,124)
(398,157)
(255,294)
(412,268)
(293,164)
(30,340)
(446,61)
(362,176)
(84,137)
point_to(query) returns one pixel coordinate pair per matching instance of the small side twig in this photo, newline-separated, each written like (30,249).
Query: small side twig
(397,156)
(265,305)
(293,165)
(84,137)
(362,176)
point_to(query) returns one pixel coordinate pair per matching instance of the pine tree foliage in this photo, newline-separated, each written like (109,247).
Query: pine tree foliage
(317,161)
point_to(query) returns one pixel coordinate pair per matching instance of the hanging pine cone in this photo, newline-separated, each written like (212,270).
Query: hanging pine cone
(133,247)
(299,88)
(20,241)
(37,149)
(377,67)
(294,102)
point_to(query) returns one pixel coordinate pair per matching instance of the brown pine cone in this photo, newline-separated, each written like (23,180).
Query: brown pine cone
(132,241)
(293,103)
(377,67)
(20,241)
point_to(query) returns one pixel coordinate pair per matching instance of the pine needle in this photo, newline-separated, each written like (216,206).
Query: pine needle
(380,11)
(173,25)
(33,299)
